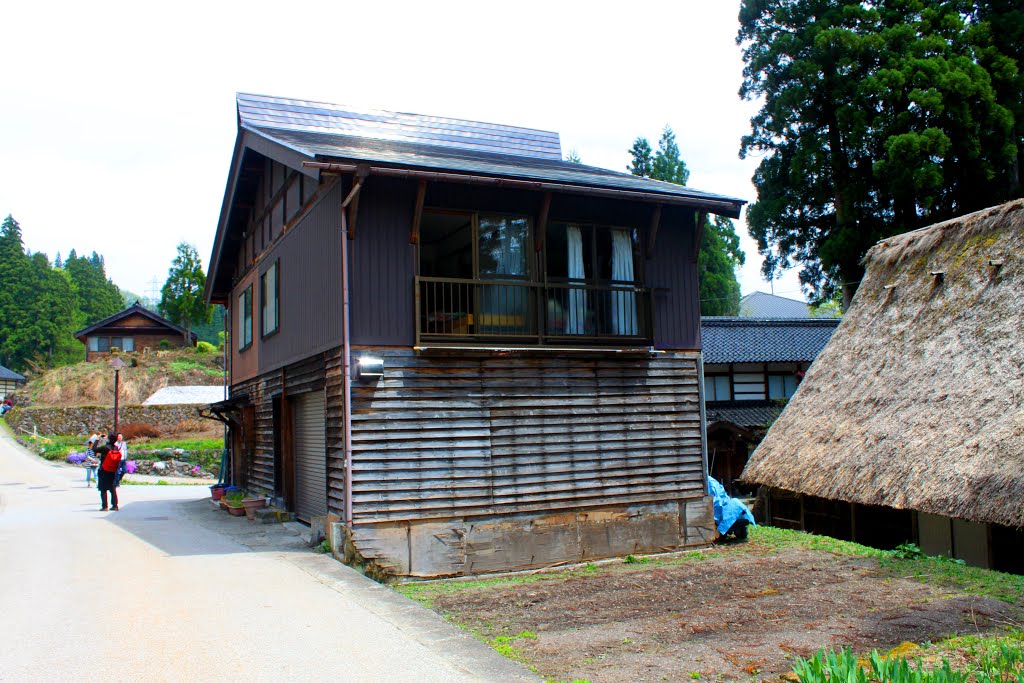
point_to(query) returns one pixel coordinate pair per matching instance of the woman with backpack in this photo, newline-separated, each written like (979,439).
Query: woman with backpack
(110,460)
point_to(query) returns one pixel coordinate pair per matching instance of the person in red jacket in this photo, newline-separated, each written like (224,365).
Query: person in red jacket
(110,460)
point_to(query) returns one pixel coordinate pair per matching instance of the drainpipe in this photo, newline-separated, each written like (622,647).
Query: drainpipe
(346,376)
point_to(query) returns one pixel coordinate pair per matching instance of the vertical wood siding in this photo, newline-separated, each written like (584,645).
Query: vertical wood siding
(383,265)
(452,435)
(310,287)
(672,276)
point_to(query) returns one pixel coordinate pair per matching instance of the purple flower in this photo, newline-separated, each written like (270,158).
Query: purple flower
(76,458)
(196,470)
(130,467)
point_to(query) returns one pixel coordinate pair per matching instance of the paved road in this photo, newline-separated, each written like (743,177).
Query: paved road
(169,589)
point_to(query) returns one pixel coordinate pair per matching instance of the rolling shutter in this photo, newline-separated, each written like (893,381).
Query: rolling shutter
(310,456)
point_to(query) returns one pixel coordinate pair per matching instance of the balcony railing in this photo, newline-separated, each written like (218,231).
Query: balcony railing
(454,310)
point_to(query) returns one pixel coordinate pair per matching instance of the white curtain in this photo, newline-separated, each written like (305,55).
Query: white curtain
(576,309)
(623,302)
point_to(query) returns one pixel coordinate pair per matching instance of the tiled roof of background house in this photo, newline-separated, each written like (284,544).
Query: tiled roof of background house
(186,395)
(758,414)
(744,340)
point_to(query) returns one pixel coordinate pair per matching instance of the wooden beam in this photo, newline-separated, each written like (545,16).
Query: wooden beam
(542,222)
(698,235)
(652,233)
(352,200)
(417,214)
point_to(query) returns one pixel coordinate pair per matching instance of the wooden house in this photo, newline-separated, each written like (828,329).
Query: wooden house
(463,352)
(133,329)
(752,367)
(910,424)
(9,382)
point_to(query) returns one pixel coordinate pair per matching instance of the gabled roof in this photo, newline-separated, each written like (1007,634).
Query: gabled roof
(285,114)
(299,132)
(135,308)
(186,395)
(746,340)
(917,402)
(765,305)
(10,375)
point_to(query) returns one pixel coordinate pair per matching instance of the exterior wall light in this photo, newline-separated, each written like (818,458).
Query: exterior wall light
(369,369)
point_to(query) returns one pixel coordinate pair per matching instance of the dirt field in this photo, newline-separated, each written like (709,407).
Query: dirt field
(735,613)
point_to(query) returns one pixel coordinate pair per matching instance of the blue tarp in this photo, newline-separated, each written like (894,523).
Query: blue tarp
(727,509)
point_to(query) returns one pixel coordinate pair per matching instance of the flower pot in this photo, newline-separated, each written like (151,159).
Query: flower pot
(251,505)
(236,511)
(217,492)
(223,504)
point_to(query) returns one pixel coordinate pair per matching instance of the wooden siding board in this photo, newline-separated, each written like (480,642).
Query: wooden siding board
(382,265)
(309,303)
(672,276)
(499,441)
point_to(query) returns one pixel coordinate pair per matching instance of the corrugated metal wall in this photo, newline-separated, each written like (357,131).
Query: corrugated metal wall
(452,435)
(672,277)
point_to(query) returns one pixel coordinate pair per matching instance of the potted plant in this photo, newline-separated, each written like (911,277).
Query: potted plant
(217,491)
(235,502)
(251,505)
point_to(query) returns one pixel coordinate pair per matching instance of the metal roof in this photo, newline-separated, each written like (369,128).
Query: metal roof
(746,340)
(326,131)
(764,305)
(280,113)
(186,395)
(10,375)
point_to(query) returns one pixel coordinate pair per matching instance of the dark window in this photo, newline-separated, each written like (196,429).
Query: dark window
(717,388)
(781,386)
(245,319)
(269,300)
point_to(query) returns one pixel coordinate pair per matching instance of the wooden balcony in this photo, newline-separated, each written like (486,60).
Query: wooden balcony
(505,311)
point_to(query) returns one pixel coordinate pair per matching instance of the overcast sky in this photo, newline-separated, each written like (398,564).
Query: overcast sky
(118,119)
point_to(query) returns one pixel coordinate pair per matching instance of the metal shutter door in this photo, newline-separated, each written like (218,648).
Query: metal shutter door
(310,456)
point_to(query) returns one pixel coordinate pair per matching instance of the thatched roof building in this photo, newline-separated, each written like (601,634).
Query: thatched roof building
(917,402)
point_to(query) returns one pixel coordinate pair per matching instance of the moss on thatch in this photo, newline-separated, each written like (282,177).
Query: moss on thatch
(917,402)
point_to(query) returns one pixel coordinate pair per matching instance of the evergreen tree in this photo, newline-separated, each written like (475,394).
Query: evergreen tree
(573,157)
(877,118)
(96,296)
(181,299)
(720,252)
(13,267)
(641,153)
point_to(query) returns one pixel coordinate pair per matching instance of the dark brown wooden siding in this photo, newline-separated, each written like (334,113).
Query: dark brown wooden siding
(672,276)
(383,265)
(451,435)
(309,319)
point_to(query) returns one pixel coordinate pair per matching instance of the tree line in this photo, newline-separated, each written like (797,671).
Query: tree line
(877,117)
(42,304)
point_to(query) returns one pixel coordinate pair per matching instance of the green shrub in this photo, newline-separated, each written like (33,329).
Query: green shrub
(205,347)
(164,344)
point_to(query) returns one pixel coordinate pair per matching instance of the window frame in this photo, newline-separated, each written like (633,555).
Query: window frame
(635,235)
(264,298)
(244,305)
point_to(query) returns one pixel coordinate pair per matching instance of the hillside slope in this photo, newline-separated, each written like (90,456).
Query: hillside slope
(92,383)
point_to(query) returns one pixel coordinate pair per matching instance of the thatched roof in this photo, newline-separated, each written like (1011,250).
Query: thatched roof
(917,402)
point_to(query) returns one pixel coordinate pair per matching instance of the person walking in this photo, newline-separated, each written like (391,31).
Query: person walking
(91,463)
(110,459)
(122,467)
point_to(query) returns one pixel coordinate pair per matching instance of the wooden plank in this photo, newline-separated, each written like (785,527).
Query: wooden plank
(417,214)
(652,231)
(542,222)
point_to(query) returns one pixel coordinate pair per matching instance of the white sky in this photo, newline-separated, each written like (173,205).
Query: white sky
(118,119)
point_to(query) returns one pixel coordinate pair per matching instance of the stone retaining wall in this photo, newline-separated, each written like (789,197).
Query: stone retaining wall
(84,420)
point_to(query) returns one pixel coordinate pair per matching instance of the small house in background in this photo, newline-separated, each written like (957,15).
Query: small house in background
(751,369)
(459,351)
(910,424)
(9,382)
(133,329)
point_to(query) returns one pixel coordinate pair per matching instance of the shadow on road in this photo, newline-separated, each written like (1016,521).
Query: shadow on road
(196,527)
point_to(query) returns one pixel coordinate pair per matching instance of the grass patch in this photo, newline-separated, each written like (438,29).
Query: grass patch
(939,571)
(180,367)
(426,592)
